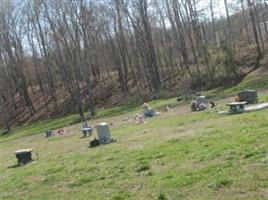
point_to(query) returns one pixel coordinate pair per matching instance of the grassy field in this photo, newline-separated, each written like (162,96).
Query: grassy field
(178,155)
(43,126)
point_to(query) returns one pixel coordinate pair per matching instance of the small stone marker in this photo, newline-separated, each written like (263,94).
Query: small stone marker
(49,133)
(236,107)
(86,130)
(24,156)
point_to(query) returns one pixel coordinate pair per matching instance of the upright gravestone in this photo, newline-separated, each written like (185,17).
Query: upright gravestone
(199,104)
(103,133)
(49,133)
(24,156)
(201,100)
(86,130)
(250,96)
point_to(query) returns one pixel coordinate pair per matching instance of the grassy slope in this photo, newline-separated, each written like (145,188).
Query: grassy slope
(258,80)
(43,126)
(179,155)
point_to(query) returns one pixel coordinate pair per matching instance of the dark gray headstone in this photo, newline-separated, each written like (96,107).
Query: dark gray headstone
(250,96)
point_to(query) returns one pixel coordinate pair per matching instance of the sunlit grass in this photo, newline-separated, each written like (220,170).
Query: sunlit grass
(187,156)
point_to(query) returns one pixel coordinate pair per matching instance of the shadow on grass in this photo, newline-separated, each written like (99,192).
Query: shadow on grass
(14,166)
(20,165)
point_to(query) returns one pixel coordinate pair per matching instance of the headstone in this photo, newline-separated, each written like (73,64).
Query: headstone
(201,100)
(103,133)
(86,130)
(250,96)
(236,107)
(49,133)
(149,113)
(199,104)
(24,156)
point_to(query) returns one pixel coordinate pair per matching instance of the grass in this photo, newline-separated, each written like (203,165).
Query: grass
(120,110)
(253,82)
(43,126)
(178,155)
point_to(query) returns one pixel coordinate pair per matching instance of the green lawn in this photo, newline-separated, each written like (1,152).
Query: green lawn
(178,155)
(43,126)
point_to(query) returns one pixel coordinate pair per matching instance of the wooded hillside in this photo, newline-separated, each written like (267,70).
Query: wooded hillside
(64,56)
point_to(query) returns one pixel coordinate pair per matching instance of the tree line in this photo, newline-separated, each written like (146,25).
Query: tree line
(74,46)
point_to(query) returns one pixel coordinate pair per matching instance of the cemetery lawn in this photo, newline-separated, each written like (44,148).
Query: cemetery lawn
(178,155)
